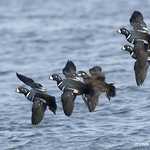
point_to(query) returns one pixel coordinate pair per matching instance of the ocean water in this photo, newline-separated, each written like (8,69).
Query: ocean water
(36,39)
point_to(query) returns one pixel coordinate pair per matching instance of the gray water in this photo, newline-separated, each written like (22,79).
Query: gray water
(37,38)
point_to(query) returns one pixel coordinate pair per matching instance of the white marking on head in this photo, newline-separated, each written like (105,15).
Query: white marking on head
(123,48)
(17,90)
(50,77)
(119,31)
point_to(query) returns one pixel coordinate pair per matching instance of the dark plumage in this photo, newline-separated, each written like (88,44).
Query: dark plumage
(95,81)
(71,88)
(69,70)
(140,30)
(67,99)
(141,65)
(130,49)
(38,95)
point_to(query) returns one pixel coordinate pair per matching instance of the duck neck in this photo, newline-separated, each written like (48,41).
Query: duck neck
(59,81)
(130,38)
(25,91)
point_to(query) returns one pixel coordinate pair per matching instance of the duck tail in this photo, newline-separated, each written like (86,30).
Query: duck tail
(111,91)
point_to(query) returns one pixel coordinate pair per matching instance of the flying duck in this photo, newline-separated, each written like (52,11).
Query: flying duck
(140,30)
(71,87)
(39,96)
(130,49)
(141,55)
(95,81)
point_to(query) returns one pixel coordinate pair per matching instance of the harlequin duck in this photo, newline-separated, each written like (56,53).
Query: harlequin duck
(140,30)
(71,87)
(38,95)
(95,80)
(130,49)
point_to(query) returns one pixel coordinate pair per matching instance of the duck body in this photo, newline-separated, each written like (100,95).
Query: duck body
(95,81)
(38,96)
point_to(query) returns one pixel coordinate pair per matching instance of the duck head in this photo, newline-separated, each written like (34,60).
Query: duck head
(124,31)
(56,78)
(22,90)
(127,48)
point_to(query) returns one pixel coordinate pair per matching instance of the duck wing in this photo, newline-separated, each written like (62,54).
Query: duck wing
(141,65)
(69,70)
(67,99)
(140,72)
(28,81)
(91,100)
(50,101)
(38,110)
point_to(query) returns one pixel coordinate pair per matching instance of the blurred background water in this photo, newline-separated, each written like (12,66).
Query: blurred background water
(37,38)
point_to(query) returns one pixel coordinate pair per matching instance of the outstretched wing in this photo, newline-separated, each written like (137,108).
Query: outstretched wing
(50,101)
(38,110)
(91,100)
(67,99)
(140,72)
(69,70)
(137,21)
(141,65)
(28,81)
(96,73)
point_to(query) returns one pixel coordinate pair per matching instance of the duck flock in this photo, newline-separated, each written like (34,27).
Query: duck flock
(89,85)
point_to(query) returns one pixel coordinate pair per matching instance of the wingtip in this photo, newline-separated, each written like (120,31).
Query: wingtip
(18,75)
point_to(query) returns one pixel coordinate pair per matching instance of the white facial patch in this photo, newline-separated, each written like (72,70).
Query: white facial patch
(123,48)
(17,90)
(119,31)
(50,77)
